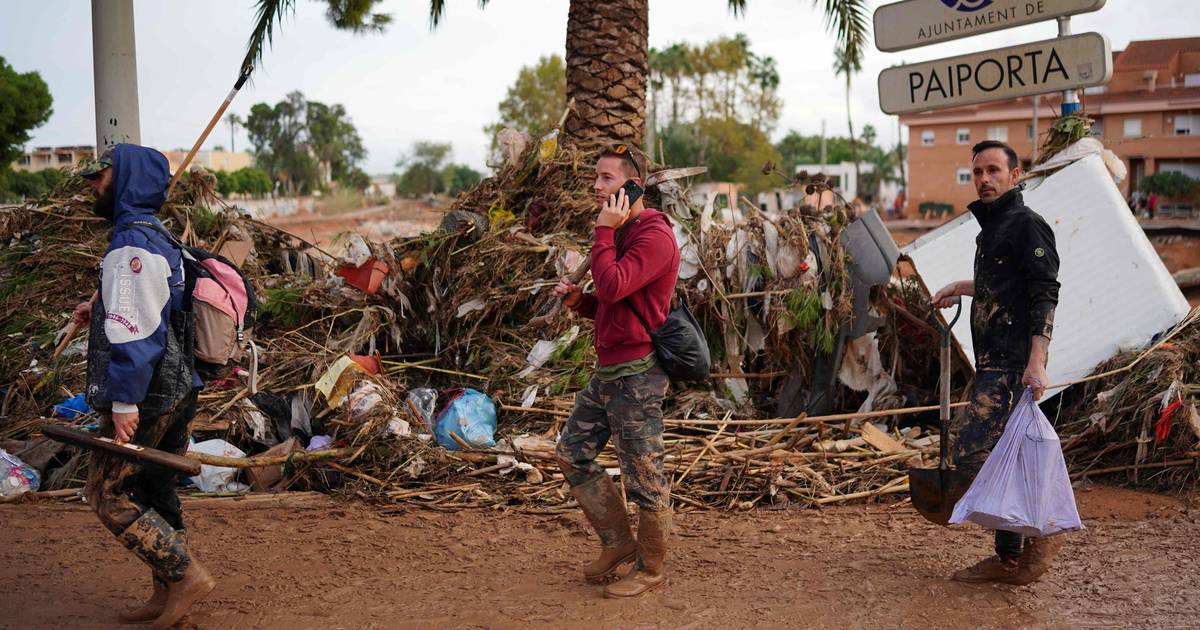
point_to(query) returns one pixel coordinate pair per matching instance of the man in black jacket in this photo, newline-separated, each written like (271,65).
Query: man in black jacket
(1015,292)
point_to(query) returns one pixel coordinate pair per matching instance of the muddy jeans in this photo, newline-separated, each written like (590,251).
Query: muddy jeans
(120,490)
(629,410)
(981,426)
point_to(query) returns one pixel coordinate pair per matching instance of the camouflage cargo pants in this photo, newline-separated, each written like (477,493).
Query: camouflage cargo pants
(629,410)
(120,491)
(992,399)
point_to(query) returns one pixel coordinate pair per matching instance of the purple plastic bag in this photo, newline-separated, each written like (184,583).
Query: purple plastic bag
(1023,486)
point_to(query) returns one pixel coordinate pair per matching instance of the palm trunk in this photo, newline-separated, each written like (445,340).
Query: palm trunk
(607,66)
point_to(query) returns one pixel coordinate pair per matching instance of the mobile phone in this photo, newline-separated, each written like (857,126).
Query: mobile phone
(633,192)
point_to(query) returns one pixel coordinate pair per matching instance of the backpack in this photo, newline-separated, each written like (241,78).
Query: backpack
(223,305)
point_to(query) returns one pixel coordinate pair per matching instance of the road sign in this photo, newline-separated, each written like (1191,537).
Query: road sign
(913,23)
(1064,63)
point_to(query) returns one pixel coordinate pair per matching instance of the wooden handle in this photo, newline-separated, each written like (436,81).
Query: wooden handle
(68,335)
(132,452)
(551,308)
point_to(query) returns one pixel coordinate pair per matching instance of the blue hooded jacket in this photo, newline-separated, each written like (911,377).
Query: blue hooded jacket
(141,286)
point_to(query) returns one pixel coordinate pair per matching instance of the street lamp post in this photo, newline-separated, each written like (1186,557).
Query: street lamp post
(114,65)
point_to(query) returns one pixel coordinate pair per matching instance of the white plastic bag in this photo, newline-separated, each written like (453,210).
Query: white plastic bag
(217,478)
(1023,486)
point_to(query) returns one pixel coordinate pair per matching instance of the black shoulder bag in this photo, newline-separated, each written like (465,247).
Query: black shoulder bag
(680,345)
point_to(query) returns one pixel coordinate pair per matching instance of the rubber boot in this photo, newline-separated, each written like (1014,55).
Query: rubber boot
(181,595)
(653,528)
(165,550)
(152,608)
(992,569)
(602,505)
(158,598)
(1036,559)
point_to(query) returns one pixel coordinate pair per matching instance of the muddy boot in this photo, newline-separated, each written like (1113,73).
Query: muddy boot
(992,569)
(1036,559)
(152,608)
(653,528)
(165,550)
(602,504)
(181,595)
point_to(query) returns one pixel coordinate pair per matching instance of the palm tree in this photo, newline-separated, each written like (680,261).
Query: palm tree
(847,64)
(607,52)
(234,121)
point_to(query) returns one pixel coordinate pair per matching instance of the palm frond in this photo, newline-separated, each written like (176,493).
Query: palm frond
(847,20)
(269,13)
(437,11)
(737,7)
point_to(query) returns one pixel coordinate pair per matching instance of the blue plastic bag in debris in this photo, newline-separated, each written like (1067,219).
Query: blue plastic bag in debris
(472,417)
(1023,486)
(71,407)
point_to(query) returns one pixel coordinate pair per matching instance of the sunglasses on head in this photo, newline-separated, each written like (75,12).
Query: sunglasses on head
(623,151)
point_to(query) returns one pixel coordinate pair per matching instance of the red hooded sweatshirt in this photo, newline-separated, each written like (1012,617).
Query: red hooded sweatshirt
(639,271)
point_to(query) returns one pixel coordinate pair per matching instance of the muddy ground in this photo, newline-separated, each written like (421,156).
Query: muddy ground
(312,562)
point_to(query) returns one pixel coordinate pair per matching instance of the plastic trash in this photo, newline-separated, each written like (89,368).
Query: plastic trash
(364,399)
(472,417)
(217,478)
(1023,486)
(425,400)
(72,407)
(16,477)
(319,443)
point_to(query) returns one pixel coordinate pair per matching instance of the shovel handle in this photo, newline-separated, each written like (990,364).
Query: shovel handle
(944,386)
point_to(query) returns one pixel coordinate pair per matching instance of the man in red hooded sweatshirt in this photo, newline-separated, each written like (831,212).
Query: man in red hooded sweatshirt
(635,262)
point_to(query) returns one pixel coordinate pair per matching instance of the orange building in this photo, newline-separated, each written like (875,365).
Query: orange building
(1148,114)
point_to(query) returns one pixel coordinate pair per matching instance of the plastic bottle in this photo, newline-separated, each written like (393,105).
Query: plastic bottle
(549,147)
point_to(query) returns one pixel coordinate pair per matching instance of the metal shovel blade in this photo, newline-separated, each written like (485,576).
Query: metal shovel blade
(934,492)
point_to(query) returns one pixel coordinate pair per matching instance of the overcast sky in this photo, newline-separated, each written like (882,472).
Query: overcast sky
(412,83)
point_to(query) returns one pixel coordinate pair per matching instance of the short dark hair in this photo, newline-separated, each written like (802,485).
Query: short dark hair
(996,144)
(631,157)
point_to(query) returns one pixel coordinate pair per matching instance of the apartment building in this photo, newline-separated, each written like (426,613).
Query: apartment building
(1148,114)
(53,157)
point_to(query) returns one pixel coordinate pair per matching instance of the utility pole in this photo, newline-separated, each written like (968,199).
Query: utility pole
(1037,101)
(114,65)
(1070,98)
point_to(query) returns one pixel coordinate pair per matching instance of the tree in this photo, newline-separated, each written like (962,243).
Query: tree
(305,144)
(459,177)
(796,149)
(422,168)
(234,121)
(25,104)
(848,65)
(607,52)
(535,101)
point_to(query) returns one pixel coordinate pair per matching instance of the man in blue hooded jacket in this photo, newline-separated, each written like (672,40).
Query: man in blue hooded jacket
(141,378)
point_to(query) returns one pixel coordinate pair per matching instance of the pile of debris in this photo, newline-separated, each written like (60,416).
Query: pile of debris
(1140,421)
(408,370)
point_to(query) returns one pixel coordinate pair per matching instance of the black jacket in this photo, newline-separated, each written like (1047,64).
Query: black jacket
(1016,282)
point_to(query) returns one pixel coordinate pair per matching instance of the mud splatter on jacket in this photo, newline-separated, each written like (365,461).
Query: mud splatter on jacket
(1016,282)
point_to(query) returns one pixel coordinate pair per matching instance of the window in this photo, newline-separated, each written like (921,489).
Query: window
(962,136)
(999,132)
(64,158)
(1191,80)
(1133,127)
(964,176)
(24,160)
(1098,128)
(1187,124)
(927,138)
(1029,131)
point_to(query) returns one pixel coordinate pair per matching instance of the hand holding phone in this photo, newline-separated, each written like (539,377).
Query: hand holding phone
(615,212)
(633,192)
